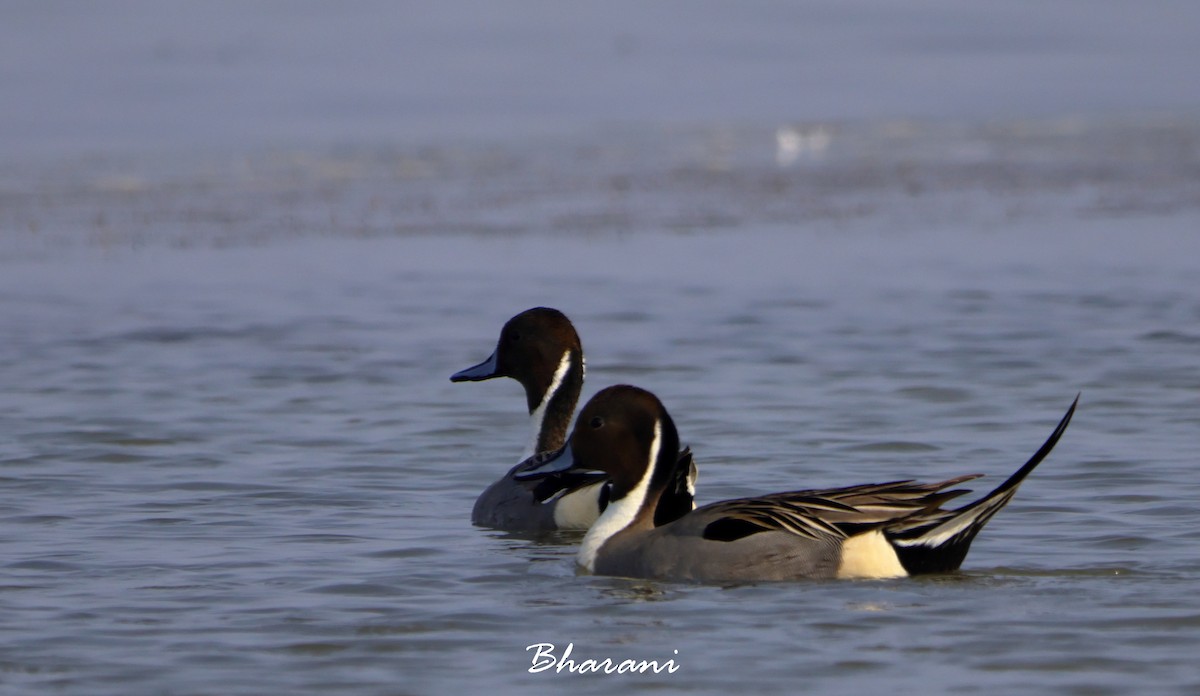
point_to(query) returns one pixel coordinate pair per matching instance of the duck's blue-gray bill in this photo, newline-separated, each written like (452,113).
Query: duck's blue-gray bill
(480,372)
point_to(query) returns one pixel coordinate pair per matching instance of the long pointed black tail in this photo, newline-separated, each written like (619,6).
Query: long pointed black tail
(941,544)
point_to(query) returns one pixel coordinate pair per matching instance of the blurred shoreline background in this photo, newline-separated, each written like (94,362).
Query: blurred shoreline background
(142,77)
(135,123)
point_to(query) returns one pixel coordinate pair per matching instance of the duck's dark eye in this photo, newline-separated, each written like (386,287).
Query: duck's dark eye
(596,422)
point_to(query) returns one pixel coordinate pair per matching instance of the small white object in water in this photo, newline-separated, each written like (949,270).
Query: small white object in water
(793,142)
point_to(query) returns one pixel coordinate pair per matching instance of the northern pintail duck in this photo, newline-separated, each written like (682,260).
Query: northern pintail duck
(882,530)
(540,349)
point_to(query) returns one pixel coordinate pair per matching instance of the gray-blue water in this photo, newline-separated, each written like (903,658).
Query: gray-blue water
(231,458)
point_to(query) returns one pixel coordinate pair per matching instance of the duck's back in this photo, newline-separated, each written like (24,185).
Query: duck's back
(509,505)
(680,551)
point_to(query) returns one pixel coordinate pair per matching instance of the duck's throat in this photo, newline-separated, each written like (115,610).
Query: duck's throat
(626,511)
(550,418)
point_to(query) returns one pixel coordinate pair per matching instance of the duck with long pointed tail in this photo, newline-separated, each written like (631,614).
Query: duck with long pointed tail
(541,350)
(886,530)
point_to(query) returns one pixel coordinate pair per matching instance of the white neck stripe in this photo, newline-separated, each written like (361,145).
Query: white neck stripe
(620,513)
(539,414)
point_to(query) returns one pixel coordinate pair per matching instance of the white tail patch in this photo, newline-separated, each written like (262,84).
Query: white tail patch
(539,414)
(868,556)
(620,513)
